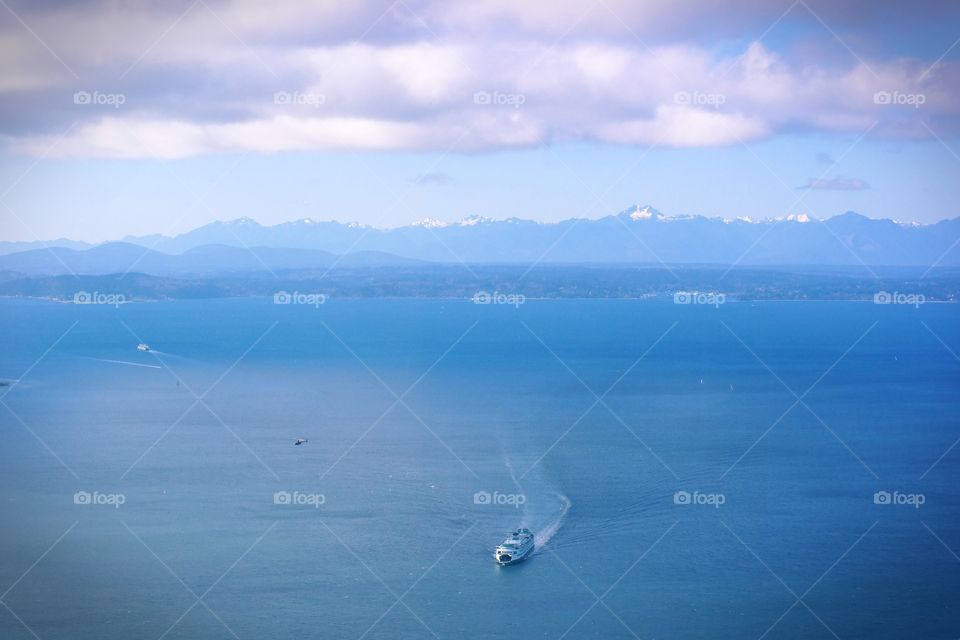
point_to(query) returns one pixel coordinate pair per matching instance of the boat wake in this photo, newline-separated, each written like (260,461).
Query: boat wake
(126,362)
(545,507)
(543,535)
(164,353)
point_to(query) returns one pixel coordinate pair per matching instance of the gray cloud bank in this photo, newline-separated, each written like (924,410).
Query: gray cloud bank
(181,79)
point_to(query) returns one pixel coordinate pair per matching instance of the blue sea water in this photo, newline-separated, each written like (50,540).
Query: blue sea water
(690,471)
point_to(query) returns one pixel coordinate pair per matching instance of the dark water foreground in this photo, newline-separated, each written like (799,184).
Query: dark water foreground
(778,470)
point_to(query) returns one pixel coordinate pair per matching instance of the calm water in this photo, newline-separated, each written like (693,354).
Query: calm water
(495,399)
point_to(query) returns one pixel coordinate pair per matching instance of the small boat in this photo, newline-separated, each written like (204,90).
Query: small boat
(143,347)
(515,548)
(300,441)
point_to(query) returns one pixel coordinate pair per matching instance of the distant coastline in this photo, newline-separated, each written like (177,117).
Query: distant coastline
(505,284)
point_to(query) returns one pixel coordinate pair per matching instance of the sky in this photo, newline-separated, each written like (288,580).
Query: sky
(150,117)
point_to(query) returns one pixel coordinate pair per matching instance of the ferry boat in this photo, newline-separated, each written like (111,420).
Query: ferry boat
(515,548)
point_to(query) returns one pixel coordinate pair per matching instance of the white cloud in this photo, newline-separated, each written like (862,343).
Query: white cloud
(208,86)
(681,126)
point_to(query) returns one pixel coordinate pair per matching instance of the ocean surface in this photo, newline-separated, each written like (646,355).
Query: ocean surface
(753,470)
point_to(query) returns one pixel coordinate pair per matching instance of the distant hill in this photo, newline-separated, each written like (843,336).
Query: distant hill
(197,262)
(638,235)
(16,247)
(545,281)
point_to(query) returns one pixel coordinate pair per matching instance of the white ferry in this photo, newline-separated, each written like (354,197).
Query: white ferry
(515,548)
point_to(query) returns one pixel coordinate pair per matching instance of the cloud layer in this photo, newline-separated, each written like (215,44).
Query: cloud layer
(172,81)
(835,184)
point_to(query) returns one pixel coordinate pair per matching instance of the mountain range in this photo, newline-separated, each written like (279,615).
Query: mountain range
(638,235)
(198,262)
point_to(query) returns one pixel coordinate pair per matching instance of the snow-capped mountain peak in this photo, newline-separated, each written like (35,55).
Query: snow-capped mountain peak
(802,218)
(430,223)
(646,212)
(472,221)
(681,239)
(244,221)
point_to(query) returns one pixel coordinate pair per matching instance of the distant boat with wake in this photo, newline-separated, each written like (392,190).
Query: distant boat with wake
(143,347)
(515,548)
